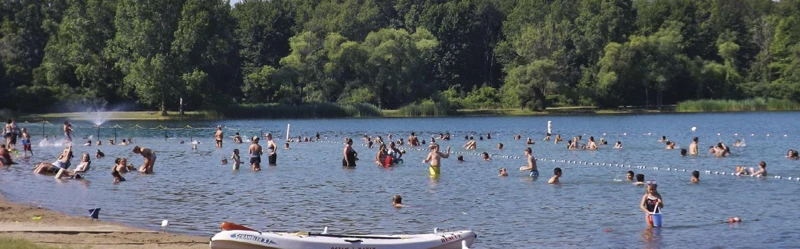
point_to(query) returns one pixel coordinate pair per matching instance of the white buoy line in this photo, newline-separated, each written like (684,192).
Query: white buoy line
(655,168)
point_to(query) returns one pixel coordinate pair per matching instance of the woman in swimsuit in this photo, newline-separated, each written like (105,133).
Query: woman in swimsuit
(651,200)
(255,155)
(380,158)
(63,162)
(79,171)
(272,150)
(350,154)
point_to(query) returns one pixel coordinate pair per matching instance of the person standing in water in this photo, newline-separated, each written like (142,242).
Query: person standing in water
(255,152)
(149,159)
(68,131)
(531,163)
(693,147)
(651,200)
(434,157)
(556,176)
(350,154)
(272,150)
(218,136)
(26,142)
(236,160)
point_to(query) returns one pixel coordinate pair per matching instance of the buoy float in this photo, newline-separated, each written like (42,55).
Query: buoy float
(694,128)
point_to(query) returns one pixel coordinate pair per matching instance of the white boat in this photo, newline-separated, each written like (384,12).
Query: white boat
(235,236)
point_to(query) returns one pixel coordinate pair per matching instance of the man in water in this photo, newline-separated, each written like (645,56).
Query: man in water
(434,157)
(68,131)
(218,136)
(693,147)
(531,163)
(556,176)
(412,140)
(149,159)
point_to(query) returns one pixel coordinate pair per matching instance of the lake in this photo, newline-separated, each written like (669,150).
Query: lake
(308,189)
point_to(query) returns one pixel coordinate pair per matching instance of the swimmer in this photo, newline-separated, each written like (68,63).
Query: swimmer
(111,142)
(517,137)
(546,137)
(558,138)
(236,160)
(639,180)
(99,154)
(762,170)
(503,172)
(460,158)
(99,143)
(218,136)
(651,200)
(485,156)
(695,176)
(663,139)
(194,146)
(556,176)
(670,145)
(286,146)
(618,145)
(26,142)
(693,147)
(534,172)
(592,145)
(149,159)
(480,137)
(123,143)
(88,143)
(471,145)
(683,152)
(117,176)
(530,141)
(412,140)
(350,154)
(397,201)
(488,135)
(791,154)
(434,157)
(121,165)
(629,176)
(433,140)
(237,139)
(224,161)
(255,152)
(737,143)
(499,146)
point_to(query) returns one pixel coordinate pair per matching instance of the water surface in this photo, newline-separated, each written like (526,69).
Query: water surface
(309,189)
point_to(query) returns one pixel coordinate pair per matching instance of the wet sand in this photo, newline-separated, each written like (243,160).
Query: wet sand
(56,229)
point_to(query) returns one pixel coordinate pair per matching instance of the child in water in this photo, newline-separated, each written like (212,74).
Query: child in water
(695,176)
(503,172)
(485,156)
(434,157)
(639,180)
(556,176)
(235,158)
(397,201)
(629,175)
(224,161)
(651,200)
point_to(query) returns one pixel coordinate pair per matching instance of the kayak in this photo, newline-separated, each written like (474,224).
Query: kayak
(235,236)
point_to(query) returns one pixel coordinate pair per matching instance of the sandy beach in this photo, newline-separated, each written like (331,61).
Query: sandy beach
(19,221)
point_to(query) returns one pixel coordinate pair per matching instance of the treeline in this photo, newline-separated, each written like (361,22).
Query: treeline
(390,53)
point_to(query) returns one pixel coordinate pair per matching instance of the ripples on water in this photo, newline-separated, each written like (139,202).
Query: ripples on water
(309,189)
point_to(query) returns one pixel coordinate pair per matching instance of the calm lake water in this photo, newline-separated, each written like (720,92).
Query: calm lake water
(309,189)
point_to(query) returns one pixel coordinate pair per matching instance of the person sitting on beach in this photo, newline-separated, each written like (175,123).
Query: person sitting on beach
(79,171)
(149,159)
(530,141)
(397,201)
(534,172)
(121,165)
(556,176)
(5,156)
(670,145)
(618,145)
(629,176)
(546,137)
(695,176)
(63,162)
(762,170)
(485,156)
(639,180)
(503,172)
(99,154)
(792,154)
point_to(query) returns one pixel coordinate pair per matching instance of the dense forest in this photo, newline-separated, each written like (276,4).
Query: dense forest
(528,54)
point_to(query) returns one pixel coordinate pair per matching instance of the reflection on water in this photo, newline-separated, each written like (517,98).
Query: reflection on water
(308,189)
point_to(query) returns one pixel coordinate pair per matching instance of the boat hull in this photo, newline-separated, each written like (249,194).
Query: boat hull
(242,239)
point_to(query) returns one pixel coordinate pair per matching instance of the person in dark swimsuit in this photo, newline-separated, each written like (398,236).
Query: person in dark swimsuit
(350,154)
(651,200)
(255,152)
(272,150)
